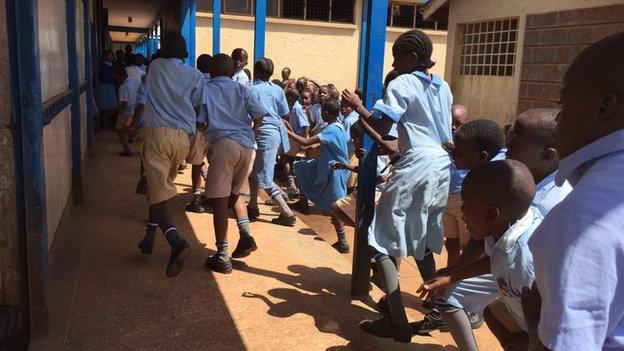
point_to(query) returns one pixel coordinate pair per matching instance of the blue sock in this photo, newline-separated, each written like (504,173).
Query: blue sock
(222,250)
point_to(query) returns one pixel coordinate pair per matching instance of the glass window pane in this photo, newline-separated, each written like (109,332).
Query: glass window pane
(342,11)
(292,9)
(318,10)
(272,8)
(403,16)
(204,5)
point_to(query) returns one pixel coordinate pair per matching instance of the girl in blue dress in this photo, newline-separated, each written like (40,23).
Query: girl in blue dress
(317,179)
(106,91)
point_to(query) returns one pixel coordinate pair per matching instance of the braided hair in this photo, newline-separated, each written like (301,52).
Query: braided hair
(416,42)
(263,69)
(332,107)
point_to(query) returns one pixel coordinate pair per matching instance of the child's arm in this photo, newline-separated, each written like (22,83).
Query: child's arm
(386,144)
(138,111)
(349,166)
(305,141)
(437,285)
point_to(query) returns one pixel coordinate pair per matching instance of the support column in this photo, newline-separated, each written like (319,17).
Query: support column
(216,27)
(86,14)
(363,34)
(373,43)
(188,10)
(259,29)
(74,85)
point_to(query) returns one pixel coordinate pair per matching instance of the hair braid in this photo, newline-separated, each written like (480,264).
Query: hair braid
(417,42)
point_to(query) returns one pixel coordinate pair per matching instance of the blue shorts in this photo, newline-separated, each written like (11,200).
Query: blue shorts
(268,141)
(472,294)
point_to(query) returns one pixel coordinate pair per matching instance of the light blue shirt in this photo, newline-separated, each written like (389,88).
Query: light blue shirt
(318,123)
(273,99)
(511,263)
(141,99)
(230,108)
(175,89)
(241,77)
(548,194)
(207,77)
(348,121)
(579,252)
(457,178)
(421,106)
(297,118)
(128,93)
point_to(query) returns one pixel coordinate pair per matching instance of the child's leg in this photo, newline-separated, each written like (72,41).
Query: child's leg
(457,321)
(426,266)
(336,211)
(240,212)
(453,249)
(220,208)
(253,192)
(196,178)
(278,199)
(123,138)
(341,245)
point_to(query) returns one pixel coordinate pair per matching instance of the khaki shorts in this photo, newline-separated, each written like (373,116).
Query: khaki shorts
(352,180)
(199,148)
(162,151)
(348,203)
(229,165)
(123,121)
(454,226)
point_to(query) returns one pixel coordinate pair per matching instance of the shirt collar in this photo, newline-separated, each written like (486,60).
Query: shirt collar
(175,60)
(549,179)
(508,240)
(221,79)
(435,79)
(575,165)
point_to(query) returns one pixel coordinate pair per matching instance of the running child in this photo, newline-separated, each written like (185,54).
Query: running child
(127,101)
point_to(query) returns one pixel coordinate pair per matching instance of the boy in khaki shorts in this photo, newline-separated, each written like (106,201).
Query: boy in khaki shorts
(174,107)
(127,96)
(231,109)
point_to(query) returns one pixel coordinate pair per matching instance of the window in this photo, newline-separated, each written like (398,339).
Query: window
(489,48)
(311,10)
(410,16)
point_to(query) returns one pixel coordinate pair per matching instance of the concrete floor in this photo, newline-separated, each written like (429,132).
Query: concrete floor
(291,294)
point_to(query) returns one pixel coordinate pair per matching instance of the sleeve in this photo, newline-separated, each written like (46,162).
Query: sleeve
(302,119)
(199,92)
(395,103)
(282,104)
(253,104)
(141,96)
(576,272)
(124,93)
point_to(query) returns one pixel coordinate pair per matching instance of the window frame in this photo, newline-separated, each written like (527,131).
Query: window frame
(390,16)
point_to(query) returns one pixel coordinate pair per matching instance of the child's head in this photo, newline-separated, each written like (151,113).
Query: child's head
(345,108)
(412,52)
(460,116)
(278,82)
(240,58)
(109,56)
(302,83)
(137,60)
(292,96)
(494,196)
(222,66)
(128,49)
(204,61)
(286,73)
(306,97)
(333,91)
(173,46)
(121,75)
(324,93)
(592,98)
(263,69)
(330,110)
(477,142)
(532,140)
(120,55)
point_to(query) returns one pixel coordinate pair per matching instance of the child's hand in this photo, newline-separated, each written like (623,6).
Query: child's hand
(448,146)
(360,152)
(339,165)
(434,287)
(351,99)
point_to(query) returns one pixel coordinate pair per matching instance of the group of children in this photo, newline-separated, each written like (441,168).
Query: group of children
(490,190)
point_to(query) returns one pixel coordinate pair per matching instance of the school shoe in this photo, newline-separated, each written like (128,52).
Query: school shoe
(126,153)
(285,221)
(147,245)
(182,166)
(270,202)
(246,245)
(179,252)
(195,206)
(301,206)
(292,191)
(253,213)
(433,321)
(383,328)
(219,265)
(342,246)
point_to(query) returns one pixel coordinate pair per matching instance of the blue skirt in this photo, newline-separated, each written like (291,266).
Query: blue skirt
(106,96)
(322,194)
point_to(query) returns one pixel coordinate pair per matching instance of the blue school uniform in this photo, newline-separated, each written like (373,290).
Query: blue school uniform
(317,180)
(128,93)
(298,119)
(548,194)
(408,217)
(348,121)
(317,124)
(241,77)
(271,133)
(175,89)
(106,93)
(230,109)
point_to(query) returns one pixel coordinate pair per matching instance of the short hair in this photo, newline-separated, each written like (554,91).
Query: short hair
(263,69)
(292,94)
(137,60)
(539,124)
(507,184)
(460,108)
(222,65)
(238,54)
(484,134)
(392,75)
(307,90)
(173,46)
(302,79)
(417,42)
(286,69)
(332,106)
(278,82)
(204,61)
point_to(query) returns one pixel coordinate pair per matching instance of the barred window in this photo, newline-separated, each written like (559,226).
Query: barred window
(410,16)
(489,48)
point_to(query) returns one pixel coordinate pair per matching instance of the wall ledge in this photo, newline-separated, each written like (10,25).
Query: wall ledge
(282,21)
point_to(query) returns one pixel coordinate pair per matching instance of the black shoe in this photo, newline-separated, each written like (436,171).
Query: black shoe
(285,221)
(476,320)
(195,206)
(342,246)
(431,322)
(253,213)
(216,264)
(246,245)
(384,329)
(301,206)
(126,153)
(180,252)
(147,245)
(141,188)
(382,306)
(430,305)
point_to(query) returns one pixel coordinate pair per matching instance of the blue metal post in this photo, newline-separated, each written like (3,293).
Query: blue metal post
(259,28)
(216,27)
(86,13)
(72,61)
(188,11)
(363,35)
(374,46)
(27,126)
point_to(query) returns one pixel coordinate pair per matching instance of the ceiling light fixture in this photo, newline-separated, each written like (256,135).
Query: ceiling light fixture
(127,34)
(129,19)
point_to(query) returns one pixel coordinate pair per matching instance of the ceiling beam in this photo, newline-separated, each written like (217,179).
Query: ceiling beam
(127,29)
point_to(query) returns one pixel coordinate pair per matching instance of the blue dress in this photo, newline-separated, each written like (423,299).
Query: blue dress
(316,179)
(106,92)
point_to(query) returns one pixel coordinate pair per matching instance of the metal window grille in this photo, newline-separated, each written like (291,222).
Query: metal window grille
(410,16)
(342,11)
(489,48)
(238,7)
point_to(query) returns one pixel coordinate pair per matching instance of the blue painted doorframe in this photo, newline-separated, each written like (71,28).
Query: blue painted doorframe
(216,27)
(188,9)
(88,74)
(259,29)
(372,47)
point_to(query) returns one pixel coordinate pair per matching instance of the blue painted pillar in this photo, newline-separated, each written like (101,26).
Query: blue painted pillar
(86,14)
(373,42)
(259,29)
(216,27)
(363,35)
(72,61)
(188,10)
(28,149)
